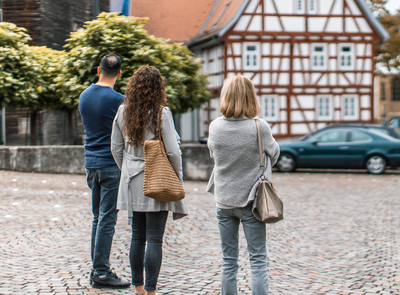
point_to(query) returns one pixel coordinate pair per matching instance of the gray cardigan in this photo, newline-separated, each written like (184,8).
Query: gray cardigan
(234,147)
(130,160)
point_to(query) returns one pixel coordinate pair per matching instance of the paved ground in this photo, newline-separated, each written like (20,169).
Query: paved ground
(341,235)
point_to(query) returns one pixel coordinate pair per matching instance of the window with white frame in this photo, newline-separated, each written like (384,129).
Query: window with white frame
(251,56)
(324,107)
(312,6)
(270,108)
(300,6)
(319,57)
(346,57)
(349,107)
(305,6)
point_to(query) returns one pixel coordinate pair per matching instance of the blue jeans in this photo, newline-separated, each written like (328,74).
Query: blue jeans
(254,230)
(104,183)
(147,227)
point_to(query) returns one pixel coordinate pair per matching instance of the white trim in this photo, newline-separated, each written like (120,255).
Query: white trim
(251,56)
(270,107)
(319,57)
(350,107)
(346,59)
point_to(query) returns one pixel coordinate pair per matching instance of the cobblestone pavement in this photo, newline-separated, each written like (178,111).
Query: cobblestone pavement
(341,235)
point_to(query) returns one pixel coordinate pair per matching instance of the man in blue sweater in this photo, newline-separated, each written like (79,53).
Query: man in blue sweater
(98,105)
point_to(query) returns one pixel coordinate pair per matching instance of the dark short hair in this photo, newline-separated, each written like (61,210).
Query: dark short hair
(110,65)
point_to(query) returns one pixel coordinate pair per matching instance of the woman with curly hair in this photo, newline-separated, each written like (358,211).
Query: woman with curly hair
(135,122)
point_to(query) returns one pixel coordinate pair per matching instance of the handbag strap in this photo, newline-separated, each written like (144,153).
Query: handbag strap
(260,149)
(159,124)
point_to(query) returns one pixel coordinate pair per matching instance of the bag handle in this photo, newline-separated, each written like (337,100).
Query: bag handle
(260,149)
(159,131)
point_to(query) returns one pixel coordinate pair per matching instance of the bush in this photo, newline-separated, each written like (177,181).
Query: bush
(126,36)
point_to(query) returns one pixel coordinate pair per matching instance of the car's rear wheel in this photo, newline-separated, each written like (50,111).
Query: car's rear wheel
(376,164)
(286,163)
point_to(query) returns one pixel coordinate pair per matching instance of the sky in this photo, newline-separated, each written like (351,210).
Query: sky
(393,5)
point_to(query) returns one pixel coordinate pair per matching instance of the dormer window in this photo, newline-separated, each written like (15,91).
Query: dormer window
(251,57)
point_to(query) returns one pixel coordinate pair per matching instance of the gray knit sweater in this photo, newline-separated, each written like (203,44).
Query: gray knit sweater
(234,147)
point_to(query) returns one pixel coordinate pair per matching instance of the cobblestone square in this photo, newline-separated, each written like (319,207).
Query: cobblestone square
(340,236)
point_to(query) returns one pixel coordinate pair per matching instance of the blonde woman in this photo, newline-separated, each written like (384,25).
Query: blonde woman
(233,146)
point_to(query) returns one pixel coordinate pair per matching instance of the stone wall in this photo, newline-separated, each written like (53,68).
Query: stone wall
(197,164)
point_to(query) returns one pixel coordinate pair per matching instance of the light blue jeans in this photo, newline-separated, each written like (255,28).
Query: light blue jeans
(254,230)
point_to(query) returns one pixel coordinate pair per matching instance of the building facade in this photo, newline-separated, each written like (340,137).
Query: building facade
(311,61)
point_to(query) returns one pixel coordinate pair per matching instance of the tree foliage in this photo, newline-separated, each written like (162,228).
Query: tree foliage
(20,79)
(50,63)
(127,37)
(389,51)
(378,7)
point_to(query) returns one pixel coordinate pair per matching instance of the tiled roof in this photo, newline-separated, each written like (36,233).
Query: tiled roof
(221,15)
(195,21)
(177,20)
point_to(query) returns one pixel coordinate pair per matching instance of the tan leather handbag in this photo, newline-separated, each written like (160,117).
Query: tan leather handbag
(269,205)
(160,180)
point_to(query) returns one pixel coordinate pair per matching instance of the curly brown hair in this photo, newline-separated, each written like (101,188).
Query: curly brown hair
(145,95)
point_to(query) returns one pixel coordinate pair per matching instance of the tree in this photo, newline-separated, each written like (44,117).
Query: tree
(27,74)
(19,71)
(378,6)
(50,64)
(389,52)
(20,78)
(186,86)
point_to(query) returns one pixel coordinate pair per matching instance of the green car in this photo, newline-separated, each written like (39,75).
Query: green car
(341,148)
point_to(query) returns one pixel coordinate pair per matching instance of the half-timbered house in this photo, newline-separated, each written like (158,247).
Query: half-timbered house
(312,61)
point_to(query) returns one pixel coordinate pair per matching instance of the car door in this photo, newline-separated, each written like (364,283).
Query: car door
(326,150)
(359,145)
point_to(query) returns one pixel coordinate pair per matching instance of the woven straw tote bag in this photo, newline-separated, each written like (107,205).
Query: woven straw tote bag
(160,180)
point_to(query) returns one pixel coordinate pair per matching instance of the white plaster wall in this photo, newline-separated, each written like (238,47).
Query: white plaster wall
(294,23)
(299,128)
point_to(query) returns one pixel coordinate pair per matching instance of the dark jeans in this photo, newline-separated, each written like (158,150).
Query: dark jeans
(147,226)
(104,184)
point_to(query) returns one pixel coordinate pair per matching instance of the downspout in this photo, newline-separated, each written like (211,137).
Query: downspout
(3,111)
(95,8)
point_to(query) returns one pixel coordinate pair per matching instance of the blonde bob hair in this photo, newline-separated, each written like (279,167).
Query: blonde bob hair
(238,98)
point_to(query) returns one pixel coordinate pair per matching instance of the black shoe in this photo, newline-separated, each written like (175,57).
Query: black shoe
(91,277)
(110,280)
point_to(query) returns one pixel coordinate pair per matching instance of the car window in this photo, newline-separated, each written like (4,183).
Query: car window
(380,130)
(332,136)
(356,136)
